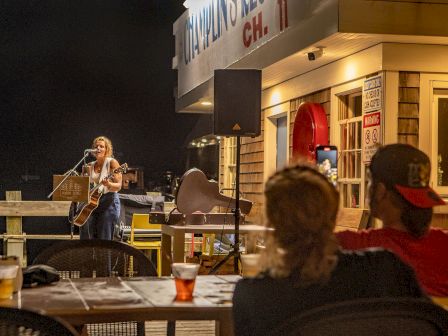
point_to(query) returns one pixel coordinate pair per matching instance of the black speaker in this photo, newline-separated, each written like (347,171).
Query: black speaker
(237,105)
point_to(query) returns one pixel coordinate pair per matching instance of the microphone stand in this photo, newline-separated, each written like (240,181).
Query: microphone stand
(236,247)
(66,175)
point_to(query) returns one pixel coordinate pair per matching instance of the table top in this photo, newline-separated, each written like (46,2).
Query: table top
(87,300)
(214,228)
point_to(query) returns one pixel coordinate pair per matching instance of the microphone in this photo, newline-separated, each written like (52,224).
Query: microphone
(92,151)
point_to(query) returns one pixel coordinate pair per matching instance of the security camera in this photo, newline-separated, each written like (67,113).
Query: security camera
(315,54)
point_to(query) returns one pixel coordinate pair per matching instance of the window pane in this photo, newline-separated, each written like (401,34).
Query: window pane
(442,143)
(359,134)
(355,196)
(358,164)
(357,110)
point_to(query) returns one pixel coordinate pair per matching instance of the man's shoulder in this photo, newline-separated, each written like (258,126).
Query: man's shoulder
(369,256)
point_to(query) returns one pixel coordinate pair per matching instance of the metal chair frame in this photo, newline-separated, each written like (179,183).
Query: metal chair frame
(369,317)
(99,258)
(14,321)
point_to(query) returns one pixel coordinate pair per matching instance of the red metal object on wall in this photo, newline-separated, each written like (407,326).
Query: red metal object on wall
(310,130)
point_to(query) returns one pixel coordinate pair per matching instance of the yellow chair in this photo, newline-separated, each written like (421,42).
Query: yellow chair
(141,221)
(208,240)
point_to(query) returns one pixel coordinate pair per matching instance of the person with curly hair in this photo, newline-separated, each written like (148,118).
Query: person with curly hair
(102,220)
(302,265)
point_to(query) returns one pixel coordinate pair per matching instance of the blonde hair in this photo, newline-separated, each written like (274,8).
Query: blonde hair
(109,148)
(301,205)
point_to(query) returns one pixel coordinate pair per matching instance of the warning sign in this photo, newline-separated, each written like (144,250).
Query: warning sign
(371,131)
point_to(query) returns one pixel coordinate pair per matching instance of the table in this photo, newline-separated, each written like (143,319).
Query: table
(102,300)
(176,233)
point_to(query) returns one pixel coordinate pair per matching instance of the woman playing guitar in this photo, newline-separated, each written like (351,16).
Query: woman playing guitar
(101,222)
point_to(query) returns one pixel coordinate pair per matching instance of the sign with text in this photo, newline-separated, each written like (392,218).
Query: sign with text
(372,94)
(372,106)
(371,132)
(214,34)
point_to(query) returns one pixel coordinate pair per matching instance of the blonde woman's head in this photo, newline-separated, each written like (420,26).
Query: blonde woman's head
(104,141)
(301,205)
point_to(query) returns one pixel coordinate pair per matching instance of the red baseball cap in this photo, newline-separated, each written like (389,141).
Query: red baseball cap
(406,169)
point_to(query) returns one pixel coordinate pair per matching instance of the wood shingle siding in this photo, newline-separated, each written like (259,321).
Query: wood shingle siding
(408,108)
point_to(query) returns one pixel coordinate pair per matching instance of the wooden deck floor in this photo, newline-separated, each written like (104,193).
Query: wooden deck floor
(183,328)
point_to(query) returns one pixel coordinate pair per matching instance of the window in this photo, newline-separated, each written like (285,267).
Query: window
(351,167)
(440,140)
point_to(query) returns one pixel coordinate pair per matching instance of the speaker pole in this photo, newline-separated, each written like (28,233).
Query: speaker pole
(236,246)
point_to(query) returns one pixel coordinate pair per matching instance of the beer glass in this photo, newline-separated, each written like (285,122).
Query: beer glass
(250,265)
(7,277)
(184,278)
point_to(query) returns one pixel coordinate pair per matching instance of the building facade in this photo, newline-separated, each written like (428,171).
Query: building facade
(378,68)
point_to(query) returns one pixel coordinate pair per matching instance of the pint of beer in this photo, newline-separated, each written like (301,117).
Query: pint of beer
(7,277)
(251,265)
(184,277)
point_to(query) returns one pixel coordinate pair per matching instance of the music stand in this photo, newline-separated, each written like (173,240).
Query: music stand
(74,188)
(66,176)
(69,173)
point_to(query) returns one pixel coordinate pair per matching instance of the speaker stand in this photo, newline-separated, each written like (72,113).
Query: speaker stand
(237,215)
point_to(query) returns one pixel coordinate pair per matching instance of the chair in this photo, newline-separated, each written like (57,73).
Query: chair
(141,221)
(99,258)
(95,258)
(15,322)
(370,317)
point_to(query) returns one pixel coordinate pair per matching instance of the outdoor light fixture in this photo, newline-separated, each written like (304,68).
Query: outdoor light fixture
(187,3)
(315,54)
(206,103)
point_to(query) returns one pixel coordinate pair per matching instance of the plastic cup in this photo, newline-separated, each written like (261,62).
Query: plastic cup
(250,264)
(7,277)
(184,278)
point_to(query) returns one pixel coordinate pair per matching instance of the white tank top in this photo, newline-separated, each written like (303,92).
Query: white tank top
(97,177)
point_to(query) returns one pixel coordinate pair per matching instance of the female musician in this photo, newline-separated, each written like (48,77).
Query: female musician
(101,222)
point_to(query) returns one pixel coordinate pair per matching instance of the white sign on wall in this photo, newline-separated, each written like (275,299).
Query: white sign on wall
(372,105)
(371,130)
(372,94)
(214,34)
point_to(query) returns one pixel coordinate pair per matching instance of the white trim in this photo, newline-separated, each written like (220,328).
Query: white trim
(336,91)
(343,71)
(428,120)
(335,134)
(425,106)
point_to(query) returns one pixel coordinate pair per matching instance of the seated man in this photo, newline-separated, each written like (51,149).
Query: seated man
(302,264)
(399,195)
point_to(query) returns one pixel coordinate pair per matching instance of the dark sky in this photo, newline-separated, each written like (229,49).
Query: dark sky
(74,69)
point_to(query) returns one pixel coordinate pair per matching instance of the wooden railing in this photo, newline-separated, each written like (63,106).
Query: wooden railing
(13,208)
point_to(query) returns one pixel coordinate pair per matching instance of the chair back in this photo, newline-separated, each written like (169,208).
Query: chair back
(370,317)
(95,258)
(141,221)
(15,322)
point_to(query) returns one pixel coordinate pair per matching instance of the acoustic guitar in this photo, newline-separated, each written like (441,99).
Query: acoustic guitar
(196,193)
(84,210)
